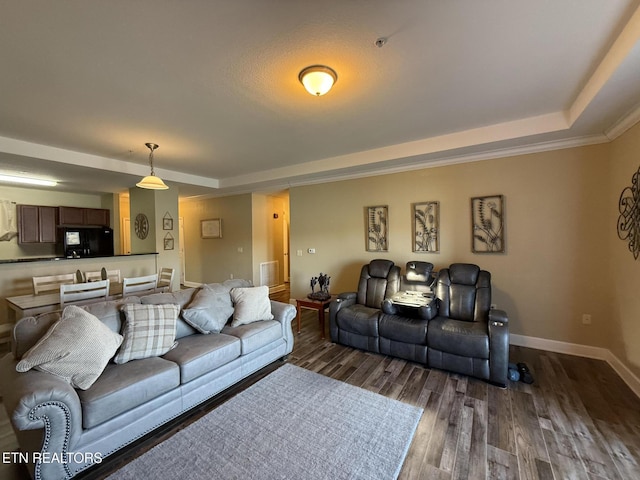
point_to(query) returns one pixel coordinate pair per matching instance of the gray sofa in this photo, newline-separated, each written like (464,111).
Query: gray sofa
(458,331)
(66,427)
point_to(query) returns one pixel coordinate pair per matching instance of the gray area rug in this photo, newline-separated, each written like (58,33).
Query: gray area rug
(292,424)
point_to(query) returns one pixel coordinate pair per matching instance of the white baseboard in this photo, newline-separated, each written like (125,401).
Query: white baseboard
(632,381)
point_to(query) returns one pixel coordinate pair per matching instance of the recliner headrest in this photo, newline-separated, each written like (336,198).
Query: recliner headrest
(464,273)
(419,271)
(380,268)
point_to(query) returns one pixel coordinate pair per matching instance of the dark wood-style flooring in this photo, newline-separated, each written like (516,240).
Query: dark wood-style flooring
(578,420)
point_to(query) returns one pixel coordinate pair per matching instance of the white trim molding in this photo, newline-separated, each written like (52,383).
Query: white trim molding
(598,353)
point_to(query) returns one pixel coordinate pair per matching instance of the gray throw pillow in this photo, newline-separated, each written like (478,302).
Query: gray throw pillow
(76,348)
(250,305)
(149,331)
(210,309)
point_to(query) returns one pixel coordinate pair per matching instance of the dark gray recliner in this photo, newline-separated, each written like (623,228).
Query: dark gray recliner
(354,316)
(467,336)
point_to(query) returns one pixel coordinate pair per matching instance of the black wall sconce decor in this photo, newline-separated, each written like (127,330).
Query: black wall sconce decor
(629,219)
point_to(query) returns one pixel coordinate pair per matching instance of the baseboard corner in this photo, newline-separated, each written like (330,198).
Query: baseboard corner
(599,353)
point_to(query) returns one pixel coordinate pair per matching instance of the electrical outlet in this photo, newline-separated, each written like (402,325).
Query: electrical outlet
(493,306)
(312,250)
(231,276)
(586,319)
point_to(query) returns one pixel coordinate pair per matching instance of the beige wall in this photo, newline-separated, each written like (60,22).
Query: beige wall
(621,293)
(215,260)
(555,266)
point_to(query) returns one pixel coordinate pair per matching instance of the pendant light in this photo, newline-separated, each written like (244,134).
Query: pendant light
(151,182)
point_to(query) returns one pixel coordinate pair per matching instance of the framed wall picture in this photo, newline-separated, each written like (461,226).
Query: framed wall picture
(167,222)
(487,224)
(377,228)
(168,242)
(211,228)
(426,227)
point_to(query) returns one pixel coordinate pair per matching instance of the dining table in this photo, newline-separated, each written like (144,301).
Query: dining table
(31,304)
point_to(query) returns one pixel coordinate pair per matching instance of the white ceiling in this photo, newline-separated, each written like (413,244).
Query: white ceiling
(85,84)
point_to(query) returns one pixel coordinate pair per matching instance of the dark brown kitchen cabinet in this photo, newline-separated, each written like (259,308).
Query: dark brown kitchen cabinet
(84,216)
(37,224)
(96,216)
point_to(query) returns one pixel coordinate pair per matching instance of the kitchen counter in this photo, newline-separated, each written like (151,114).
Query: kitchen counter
(55,259)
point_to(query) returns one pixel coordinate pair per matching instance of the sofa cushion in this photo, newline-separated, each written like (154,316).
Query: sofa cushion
(179,297)
(403,329)
(29,330)
(209,310)
(200,354)
(255,335)
(459,337)
(123,387)
(77,348)
(251,304)
(149,331)
(359,319)
(110,312)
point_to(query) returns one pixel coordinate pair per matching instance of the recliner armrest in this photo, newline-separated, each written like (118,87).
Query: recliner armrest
(347,296)
(498,347)
(499,317)
(389,307)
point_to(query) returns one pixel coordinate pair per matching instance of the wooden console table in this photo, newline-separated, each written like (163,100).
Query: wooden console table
(319,305)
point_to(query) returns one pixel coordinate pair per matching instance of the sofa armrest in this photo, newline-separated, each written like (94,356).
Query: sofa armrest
(498,316)
(344,300)
(347,296)
(38,400)
(498,347)
(389,307)
(284,313)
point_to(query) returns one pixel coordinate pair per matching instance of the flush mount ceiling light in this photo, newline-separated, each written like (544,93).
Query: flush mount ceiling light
(318,79)
(27,180)
(151,182)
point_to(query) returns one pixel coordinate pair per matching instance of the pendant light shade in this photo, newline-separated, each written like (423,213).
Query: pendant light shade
(151,182)
(318,79)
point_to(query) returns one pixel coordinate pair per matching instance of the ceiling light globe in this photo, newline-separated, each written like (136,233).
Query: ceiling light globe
(318,79)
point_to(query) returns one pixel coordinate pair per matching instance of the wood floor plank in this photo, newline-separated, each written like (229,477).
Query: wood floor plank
(501,465)
(500,420)
(622,454)
(565,461)
(415,464)
(532,452)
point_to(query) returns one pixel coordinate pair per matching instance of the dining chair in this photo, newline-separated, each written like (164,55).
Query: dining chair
(51,283)
(112,275)
(83,291)
(131,285)
(165,279)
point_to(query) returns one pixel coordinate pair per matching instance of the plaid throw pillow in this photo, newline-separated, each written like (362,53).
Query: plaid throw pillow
(149,331)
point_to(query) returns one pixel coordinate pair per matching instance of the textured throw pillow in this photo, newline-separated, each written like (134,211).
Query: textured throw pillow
(250,305)
(76,348)
(149,331)
(209,310)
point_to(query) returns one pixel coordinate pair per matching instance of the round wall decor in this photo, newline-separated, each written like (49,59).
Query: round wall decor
(141,226)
